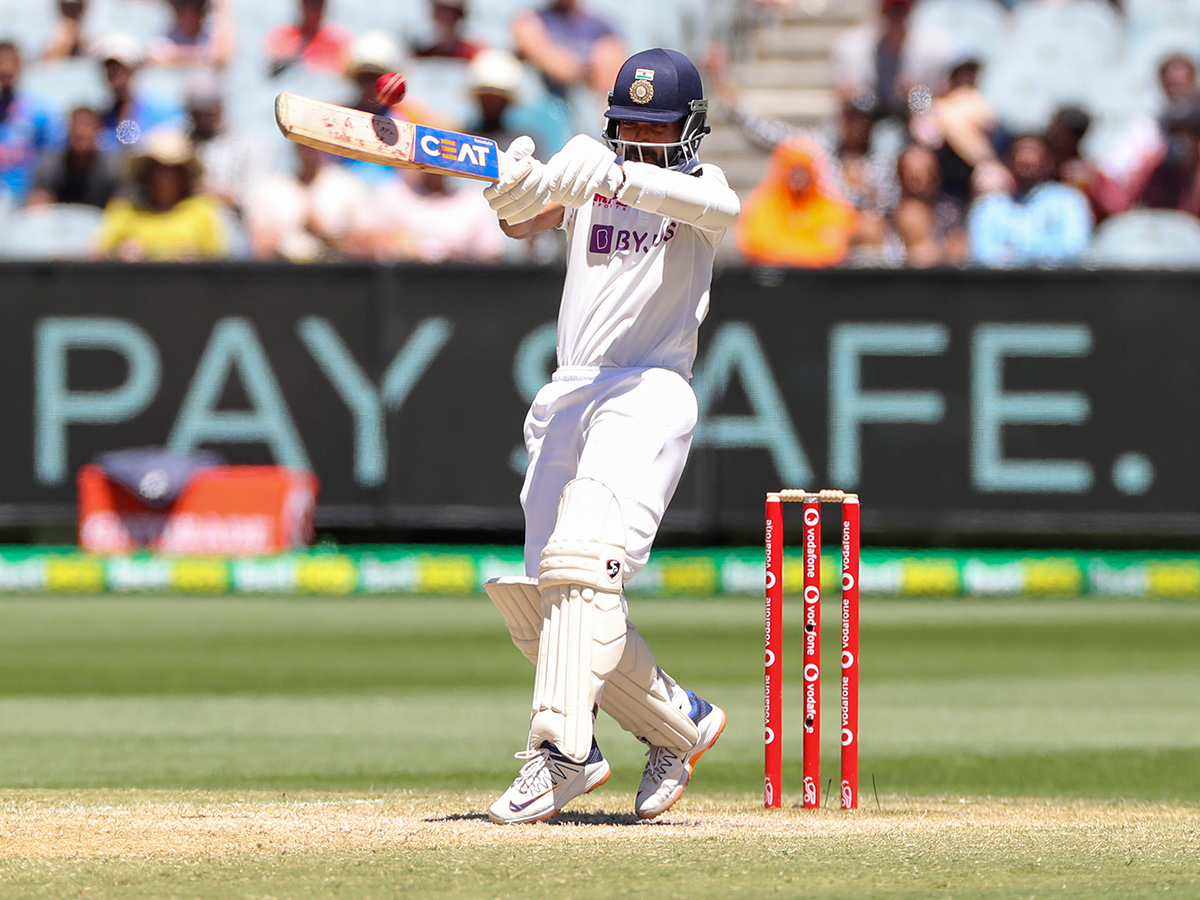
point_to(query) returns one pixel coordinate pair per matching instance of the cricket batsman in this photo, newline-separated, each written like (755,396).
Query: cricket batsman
(609,435)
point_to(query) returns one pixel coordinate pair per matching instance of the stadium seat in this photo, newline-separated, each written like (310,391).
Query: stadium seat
(1143,15)
(28,23)
(67,84)
(145,21)
(441,84)
(166,82)
(1084,32)
(1146,48)
(959,26)
(60,231)
(1122,91)
(1024,90)
(491,20)
(1147,238)
(7,205)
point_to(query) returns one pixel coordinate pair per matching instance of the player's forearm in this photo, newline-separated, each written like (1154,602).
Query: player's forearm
(549,218)
(706,203)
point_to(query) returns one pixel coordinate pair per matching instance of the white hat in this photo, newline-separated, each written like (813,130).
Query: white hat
(168,147)
(121,47)
(374,51)
(495,71)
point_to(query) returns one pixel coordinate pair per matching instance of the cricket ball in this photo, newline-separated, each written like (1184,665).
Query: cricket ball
(390,88)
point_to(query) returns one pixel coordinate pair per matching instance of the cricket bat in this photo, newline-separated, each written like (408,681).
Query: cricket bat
(382,139)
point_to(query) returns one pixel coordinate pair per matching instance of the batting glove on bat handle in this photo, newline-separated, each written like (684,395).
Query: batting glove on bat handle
(515,163)
(518,195)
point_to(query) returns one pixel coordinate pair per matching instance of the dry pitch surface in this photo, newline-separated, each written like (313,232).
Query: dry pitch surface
(134,844)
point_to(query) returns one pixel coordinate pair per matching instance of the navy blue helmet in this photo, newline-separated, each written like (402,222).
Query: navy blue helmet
(659,86)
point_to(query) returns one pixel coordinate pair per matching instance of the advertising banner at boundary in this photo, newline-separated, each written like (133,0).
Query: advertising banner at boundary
(462,570)
(990,404)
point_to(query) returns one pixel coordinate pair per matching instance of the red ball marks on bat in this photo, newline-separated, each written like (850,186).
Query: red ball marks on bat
(390,88)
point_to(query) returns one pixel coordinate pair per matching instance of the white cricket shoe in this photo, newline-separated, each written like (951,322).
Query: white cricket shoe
(667,771)
(547,783)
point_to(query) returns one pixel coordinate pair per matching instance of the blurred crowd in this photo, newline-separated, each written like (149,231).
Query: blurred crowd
(918,167)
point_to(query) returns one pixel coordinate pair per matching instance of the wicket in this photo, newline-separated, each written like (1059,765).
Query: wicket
(773,685)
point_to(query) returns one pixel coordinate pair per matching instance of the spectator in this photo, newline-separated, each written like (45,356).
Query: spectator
(1175,182)
(494,77)
(960,127)
(858,170)
(794,217)
(201,34)
(928,221)
(165,220)
(233,163)
(578,54)
(66,40)
(877,57)
(129,115)
(372,54)
(1037,221)
(27,128)
(420,216)
(1177,75)
(81,172)
(1122,172)
(311,44)
(448,41)
(304,216)
(1064,137)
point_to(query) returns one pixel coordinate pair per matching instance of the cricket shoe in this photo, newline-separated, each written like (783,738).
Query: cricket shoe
(668,771)
(546,783)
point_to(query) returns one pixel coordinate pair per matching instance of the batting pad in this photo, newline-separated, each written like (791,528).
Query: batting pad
(580,575)
(637,693)
(520,603)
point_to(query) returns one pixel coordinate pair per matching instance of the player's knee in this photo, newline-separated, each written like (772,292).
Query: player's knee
(587,546)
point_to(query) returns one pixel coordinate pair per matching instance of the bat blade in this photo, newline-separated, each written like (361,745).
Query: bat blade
(381,139)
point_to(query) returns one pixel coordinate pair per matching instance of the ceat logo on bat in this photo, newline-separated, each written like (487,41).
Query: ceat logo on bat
(456,152)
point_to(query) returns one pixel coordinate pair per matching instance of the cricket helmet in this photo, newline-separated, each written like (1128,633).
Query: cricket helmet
(659,86)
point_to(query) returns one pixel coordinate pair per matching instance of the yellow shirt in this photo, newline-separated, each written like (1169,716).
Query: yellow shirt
(190,230)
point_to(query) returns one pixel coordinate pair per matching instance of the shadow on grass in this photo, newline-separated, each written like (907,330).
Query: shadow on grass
(567,818)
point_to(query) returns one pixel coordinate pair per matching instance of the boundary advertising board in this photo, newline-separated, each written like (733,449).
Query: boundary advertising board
(1053,404)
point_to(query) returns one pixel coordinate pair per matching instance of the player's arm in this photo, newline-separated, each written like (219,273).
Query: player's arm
(704,201)
(548,219)
(585,167)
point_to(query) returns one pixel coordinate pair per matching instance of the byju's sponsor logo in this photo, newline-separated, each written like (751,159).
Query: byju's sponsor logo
(606,240)
(602,239)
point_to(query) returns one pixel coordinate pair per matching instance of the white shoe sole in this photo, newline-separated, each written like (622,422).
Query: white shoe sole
(691,766)
(594,780)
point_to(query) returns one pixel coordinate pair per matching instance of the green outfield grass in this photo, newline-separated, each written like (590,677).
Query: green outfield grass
(1088,701)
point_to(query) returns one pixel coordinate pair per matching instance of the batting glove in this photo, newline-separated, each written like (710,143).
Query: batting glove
(582,169)
(518,195)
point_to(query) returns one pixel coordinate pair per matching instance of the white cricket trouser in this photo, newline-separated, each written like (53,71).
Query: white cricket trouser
(628,428)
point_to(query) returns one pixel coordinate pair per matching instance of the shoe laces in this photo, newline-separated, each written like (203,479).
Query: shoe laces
(659,761)
(534,769)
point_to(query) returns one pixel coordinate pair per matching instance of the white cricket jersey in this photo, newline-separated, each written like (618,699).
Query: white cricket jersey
(637,285)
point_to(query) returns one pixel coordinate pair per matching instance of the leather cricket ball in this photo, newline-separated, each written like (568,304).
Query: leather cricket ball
(390,88)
